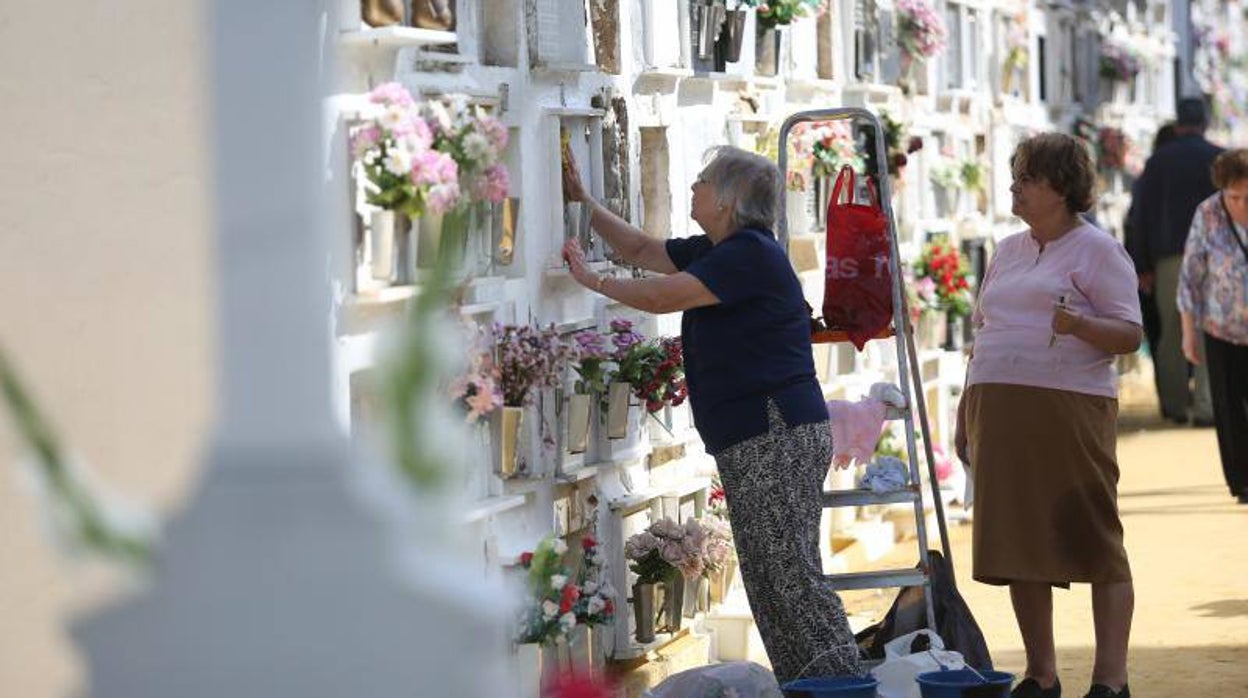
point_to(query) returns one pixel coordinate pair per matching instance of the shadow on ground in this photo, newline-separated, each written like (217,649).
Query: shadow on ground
(1156,672)
(1225,608)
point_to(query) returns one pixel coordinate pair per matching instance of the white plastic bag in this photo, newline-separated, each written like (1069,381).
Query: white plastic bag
(897,674)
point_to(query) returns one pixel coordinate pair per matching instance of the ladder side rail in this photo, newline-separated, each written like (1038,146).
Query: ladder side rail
(903,340)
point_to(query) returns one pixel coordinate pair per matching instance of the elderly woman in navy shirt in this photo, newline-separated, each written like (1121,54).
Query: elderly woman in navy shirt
(756,402)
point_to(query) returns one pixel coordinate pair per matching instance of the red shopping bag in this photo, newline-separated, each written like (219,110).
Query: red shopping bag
(858,293)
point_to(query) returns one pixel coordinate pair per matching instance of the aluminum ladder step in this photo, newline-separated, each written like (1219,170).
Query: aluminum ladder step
(858,498)
(909,577)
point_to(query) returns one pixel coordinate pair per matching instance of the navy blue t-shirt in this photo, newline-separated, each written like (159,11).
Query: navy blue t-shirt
(753,345)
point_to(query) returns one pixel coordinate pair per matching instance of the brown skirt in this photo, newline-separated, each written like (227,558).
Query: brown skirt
(1046,486)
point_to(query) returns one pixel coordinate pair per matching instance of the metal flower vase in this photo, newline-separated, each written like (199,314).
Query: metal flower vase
(706,19)
(578,422)
(673,602)
(392,249)
(733,35)
(618,395)
(510,420)
(953,332)
(767,51)
(444,239)
(643,612)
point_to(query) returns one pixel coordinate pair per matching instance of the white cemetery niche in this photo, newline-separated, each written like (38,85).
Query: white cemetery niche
(501,26)
(583,130)
(559,35)
(663,40)
(802,45)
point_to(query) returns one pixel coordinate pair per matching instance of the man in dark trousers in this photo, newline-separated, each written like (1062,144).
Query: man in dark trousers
(1175,180)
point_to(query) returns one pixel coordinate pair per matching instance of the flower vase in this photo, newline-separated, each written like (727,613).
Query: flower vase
(509,421)
(732,36)
(643,612)
(932,329)
(528,661)
(581,648)
(797,209)
(706,19)
(487,219)
(444,239)
(953,332)
(618,395)
(673,603)
(578,422)
(767,51)
(392,251)
(821,197)
(722,580)
(947,200)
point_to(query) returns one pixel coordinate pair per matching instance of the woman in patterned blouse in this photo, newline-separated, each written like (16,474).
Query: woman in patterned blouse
(1213,301)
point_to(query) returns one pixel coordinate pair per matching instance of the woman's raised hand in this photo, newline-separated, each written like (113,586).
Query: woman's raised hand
(575,257)
(573,190)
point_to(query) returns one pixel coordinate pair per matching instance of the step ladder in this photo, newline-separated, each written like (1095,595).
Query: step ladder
(908,374)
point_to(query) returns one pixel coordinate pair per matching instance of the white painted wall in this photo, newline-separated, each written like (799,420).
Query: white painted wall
(105,261)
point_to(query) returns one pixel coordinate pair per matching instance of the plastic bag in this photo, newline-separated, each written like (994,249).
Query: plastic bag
(954,621)
(743,679)
(858,293)
(902,664)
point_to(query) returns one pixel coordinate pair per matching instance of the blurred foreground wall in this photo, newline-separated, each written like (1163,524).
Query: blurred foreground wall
(104,282)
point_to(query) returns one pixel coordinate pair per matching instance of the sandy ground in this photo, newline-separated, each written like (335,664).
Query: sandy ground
(1186,540)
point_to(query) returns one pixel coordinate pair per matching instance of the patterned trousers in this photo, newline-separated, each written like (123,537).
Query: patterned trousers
(773,484)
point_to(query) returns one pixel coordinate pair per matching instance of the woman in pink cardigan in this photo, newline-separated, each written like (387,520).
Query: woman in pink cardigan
(1037,420)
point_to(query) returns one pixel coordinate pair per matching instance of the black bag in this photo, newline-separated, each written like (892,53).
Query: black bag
(954,622)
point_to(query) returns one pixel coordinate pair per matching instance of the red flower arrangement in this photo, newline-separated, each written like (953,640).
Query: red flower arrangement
(561,598)
(942,279)
(655,369)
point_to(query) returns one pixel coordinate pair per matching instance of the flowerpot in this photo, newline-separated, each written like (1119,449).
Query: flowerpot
(953,332)
(381,13)
(732,36)
(673,603)
(767,51)
(705,19)
(578,422)
(643,612)
(434,14)
(392,249)
(509,422)
(618,395)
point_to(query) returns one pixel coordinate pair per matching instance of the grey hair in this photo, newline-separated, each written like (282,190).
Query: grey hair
(748,182)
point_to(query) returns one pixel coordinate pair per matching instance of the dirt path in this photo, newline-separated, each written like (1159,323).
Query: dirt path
(1186,539)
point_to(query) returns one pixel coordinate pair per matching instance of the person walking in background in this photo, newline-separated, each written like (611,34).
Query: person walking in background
(1213,303)
(756,402)
(1174,182)
(1132,239)
(1038,419)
